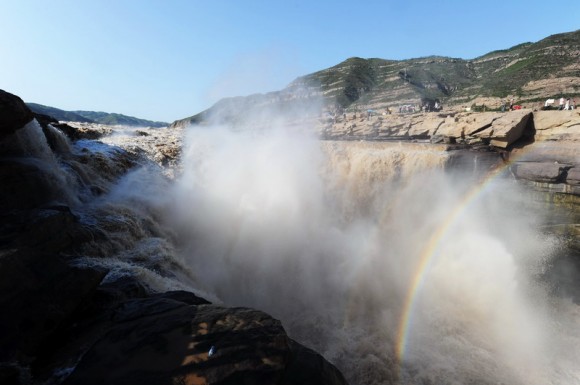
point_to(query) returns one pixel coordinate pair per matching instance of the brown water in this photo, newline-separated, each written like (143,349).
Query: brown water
(329,237)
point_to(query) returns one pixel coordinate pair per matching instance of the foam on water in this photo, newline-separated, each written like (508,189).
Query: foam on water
(327,238)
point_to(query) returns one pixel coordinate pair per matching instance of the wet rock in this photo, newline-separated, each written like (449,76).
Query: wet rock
(14,113)
(184,297)
(51,229)
(25,184)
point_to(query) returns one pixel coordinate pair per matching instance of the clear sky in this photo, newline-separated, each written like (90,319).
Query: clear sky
(169,59)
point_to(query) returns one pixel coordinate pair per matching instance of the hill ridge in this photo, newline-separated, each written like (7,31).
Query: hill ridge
(83,116)
(528,72)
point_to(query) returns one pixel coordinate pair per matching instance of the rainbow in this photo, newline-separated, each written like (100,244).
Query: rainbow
(431,250)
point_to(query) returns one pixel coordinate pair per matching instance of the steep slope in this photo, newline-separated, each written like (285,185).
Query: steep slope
(528,72)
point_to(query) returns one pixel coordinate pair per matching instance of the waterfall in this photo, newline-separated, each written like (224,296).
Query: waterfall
(29,150)
(329,237)
(401,263)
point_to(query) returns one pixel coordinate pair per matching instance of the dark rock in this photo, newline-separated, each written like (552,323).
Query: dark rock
(45,120)
(184,296)
(14,113)
(138,308)
(41,291)
(122,289)
(172,343)
(306,367)
(52,229)
(26,184)
(10,374)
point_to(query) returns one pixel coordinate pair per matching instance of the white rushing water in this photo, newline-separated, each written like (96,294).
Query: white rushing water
(331,238)
(328,238)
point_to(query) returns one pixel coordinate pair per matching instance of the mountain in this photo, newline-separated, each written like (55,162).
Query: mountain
(529,72)
(93,117)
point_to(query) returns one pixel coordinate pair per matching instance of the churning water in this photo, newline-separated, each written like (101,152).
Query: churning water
(396,269)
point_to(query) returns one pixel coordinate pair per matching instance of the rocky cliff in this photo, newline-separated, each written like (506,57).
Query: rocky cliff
(68,320)
(543,147)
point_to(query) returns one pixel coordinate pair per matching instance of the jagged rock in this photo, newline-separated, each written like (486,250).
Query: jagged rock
(161,340)
(506,129)
(462,125)
(14,113)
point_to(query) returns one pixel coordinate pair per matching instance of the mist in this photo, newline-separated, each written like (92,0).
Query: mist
(328,237)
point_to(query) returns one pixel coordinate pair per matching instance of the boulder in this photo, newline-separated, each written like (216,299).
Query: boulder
(463,125)
(557,125)
(14,113)
(507,129)
(541,172)
(165,341)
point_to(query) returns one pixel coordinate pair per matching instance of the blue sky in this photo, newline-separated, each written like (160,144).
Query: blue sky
(168,59)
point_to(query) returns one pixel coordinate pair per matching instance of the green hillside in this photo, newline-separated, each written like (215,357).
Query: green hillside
(528,72)
(58,114)
(93,117)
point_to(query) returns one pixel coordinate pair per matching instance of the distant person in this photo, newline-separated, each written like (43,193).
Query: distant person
(561,103)
(511,104)
(567,105)
(573,106)
(503,106)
